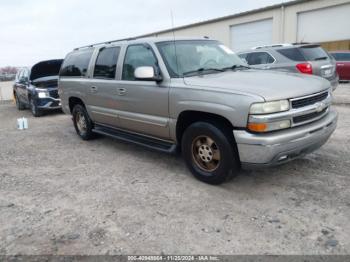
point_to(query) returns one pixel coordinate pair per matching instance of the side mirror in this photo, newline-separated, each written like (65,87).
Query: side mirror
(147,73)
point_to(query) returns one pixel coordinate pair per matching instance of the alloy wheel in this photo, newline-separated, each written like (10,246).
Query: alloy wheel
(206,153)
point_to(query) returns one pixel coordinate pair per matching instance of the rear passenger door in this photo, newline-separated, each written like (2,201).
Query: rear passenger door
(143,105)
(102,90)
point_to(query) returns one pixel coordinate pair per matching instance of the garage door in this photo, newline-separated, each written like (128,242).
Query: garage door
(324,25)
(253,34)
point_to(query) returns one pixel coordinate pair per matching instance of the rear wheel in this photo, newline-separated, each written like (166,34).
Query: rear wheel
(82,122)
(34,108)
(19,104)
(210,152)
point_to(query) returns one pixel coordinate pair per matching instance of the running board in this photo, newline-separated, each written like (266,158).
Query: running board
(144,141)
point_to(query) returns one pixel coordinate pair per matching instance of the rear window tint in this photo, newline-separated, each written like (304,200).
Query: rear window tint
(106,63)
(341,56)
(292,54)
(259,58)
(76,64)
(314,53)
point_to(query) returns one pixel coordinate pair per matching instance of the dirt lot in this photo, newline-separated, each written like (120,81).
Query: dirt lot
(60,195)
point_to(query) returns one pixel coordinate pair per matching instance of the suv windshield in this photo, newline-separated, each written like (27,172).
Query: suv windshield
(191,57)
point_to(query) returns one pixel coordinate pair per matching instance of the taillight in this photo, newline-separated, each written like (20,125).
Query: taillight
(305,68)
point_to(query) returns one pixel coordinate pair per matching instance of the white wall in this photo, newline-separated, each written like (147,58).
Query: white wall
(6,91)
(284,29)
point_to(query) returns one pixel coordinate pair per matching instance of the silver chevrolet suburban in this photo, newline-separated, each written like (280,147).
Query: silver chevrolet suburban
(195,96)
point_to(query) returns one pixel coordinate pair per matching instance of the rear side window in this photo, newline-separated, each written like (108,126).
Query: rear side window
(136,56)
(259,58)
(76,64)
(341,56)
(106,63)
(292,54)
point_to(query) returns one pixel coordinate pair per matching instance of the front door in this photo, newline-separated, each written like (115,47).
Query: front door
(143,105)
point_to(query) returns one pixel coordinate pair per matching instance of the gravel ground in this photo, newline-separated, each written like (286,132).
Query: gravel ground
(60,195)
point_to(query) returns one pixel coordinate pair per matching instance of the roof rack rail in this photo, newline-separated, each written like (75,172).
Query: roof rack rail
(302,43)
(107,42)
(275,45)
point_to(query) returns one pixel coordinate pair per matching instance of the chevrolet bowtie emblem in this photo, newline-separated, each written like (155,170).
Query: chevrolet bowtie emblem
(320,107)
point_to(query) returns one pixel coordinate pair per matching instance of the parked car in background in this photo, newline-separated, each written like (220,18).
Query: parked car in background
(343,64)
(36,87)
(197,96)
(298,58)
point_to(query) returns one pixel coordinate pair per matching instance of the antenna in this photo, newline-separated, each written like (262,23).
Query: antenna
(173,29)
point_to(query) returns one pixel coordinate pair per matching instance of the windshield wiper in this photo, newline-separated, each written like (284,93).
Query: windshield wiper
(201,71)
(234,67)
(321,58)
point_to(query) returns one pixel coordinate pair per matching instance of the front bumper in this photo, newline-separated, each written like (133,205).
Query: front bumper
(263,150)
(334,82)
(48,103)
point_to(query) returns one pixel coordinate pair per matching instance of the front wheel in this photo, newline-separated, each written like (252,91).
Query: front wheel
(210,152)
(36,112)
(82,122)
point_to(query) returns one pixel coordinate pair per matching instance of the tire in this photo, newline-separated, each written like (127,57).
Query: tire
(210,152)
(36,112)
(20,106)
(82,122)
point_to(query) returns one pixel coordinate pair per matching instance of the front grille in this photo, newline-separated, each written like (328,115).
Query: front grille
(309,100)
(304,118)
(54,94)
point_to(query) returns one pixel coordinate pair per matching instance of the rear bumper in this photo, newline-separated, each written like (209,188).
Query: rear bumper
(264,150)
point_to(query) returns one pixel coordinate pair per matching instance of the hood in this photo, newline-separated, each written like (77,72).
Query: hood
(45,69)
(271,85)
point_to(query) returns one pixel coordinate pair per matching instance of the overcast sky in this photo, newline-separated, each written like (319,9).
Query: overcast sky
(31,31)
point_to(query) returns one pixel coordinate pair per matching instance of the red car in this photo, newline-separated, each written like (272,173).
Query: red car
(343,64)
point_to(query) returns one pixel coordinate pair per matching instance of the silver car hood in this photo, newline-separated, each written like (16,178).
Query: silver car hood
(271,85)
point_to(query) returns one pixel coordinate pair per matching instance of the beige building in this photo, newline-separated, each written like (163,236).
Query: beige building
(318,21)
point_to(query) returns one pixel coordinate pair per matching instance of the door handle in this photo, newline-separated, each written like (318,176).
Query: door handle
(340,64)
(121,91)
(94,89)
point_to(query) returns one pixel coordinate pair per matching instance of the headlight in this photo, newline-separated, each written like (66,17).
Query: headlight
(269,107)
(43,94)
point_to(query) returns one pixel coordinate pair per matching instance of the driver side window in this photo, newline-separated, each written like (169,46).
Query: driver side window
(136,56)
